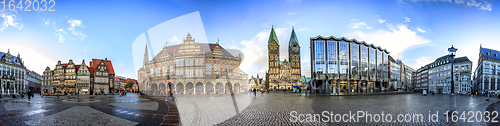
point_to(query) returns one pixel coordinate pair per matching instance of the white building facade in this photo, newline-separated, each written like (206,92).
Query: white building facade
(12,74)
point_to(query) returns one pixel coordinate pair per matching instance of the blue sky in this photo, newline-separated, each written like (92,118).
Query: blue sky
(416,31)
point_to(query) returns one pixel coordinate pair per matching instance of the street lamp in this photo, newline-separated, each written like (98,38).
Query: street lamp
(453,100)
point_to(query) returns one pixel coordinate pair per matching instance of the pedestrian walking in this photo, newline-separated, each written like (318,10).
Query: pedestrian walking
(255,92)
(29,95)
(250,92)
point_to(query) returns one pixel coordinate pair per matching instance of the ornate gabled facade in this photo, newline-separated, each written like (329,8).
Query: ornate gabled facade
(103,75)
(191,67)
(256,83)
(71,78)
(487,72)
(83,78)
(283,74)
(47,80)
(12,74)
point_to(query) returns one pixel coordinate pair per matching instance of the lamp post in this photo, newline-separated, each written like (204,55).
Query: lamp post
(453,100)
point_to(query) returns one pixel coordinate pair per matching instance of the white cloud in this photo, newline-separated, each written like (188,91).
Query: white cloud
(255,50)
(9,19)
(34,59)
(358,25)
(420,30)
(291,13)
(60,33)
(407,19)
(397,39)
(421,62)
(84,47)
(174,40)
(68,34)
(481,4)
(76,24)
(380,21)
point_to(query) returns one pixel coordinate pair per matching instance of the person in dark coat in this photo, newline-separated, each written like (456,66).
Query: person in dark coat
(29,95)
(255,92)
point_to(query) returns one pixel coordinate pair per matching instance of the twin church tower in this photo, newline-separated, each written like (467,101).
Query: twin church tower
(283,74)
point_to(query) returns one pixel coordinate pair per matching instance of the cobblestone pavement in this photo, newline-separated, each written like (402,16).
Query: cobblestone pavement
(276,109)
(209,109)
(101,110)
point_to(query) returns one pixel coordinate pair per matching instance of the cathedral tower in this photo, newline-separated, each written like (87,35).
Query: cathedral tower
(294,56)
(273,58)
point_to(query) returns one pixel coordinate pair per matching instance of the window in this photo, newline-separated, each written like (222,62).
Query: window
(172,70)
(208,69)
(216,69)
(332,56)
(165,71)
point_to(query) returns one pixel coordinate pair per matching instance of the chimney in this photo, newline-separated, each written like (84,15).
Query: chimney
(105,59)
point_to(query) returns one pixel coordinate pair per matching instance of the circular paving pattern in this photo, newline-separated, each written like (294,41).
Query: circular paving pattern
(101,110)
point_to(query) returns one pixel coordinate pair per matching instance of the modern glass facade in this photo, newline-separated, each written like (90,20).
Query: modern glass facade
(351,66)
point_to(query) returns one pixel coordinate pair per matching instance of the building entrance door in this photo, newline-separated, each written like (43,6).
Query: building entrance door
(370,87)
(353,87)
(343,86)
(333,86)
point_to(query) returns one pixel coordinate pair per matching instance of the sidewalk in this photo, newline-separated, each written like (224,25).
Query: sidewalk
(356,94)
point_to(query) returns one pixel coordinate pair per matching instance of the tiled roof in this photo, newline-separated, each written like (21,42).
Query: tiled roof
(141,69)
(34,73)
(107,62)
(490,53)
(91,69)
(77,67)
(14,59)
(207,47)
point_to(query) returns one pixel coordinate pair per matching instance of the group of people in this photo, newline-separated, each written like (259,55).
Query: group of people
(254,91)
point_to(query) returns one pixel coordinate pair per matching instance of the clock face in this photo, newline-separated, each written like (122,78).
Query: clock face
(286,74)
(295,49)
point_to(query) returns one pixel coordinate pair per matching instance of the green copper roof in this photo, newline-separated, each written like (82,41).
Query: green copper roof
(273,37)
(293,38)
(243,72)
(281,62)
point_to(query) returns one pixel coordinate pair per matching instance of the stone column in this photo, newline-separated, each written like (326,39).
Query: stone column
(184,92)
(204,89)
(337,86)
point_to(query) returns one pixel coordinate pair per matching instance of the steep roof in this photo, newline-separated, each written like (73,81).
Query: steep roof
(107,62)
(273,36)
(243,72)
(293,38)
(15,59)
(207,47)
(490,53)
(281,62)
(77,67)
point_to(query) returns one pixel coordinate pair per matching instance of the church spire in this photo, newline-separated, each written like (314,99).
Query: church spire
(293,38)
(146,57)
(273,36)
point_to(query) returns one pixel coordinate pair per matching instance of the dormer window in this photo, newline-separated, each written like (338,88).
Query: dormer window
(496,55)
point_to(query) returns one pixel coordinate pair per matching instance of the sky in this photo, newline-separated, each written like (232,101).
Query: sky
(415,31)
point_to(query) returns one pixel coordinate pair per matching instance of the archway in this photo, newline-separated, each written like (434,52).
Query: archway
(237,88)
(209,88)
(154,89)
(199,88)
(189,88)
(162,90)
(218,88)
(180,88)
(227,88)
